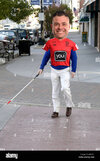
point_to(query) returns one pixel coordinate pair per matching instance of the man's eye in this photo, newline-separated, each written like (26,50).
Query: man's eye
(56,24)
(64,24)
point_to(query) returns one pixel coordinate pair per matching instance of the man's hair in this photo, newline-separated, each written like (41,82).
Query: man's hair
(59,13)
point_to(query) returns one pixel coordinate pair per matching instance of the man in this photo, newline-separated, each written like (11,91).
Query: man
(60,50)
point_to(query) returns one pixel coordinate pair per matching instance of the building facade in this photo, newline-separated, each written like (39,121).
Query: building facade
(91,10)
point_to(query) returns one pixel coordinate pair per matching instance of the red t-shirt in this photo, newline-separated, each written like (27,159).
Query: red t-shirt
(60,51)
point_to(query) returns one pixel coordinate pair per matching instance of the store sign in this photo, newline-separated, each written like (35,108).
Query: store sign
(35,2)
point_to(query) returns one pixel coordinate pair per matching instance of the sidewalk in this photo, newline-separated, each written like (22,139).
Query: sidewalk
(32,128)
(29,126)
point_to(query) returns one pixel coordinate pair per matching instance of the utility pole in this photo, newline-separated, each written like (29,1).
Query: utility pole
(41,21)
(41,39)
(72,11)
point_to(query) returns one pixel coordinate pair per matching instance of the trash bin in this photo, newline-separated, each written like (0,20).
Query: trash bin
(84,36)
(24,47)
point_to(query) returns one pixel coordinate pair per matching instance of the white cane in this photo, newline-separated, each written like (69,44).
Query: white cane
(23,89)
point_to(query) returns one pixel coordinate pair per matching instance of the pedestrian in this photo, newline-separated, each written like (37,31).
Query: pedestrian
(60,50)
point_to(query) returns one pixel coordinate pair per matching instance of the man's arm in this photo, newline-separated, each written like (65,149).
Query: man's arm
(45,60)
(74,62)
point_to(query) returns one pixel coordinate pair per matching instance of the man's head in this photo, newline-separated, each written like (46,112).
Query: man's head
(60,25)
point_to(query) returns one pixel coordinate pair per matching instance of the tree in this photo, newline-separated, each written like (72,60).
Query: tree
(20,10)
(15,10)
(51,10)
(5,8)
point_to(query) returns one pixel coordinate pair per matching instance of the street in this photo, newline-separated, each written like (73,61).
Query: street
(26,123)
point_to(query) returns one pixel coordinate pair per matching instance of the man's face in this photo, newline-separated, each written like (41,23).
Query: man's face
(60,26)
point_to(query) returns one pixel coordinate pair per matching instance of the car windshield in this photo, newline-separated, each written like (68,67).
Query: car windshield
(10,33)
(22,32)
(1,35)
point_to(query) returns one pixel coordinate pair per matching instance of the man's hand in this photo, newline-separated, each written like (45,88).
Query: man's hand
(40,71)
(72,74)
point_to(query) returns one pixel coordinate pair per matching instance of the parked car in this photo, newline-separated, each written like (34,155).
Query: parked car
(21,34)
(10,34)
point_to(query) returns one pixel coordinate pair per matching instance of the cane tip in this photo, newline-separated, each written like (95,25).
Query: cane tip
(8,102)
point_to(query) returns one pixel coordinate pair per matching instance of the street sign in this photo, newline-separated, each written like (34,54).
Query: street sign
(44,2)
(47,2)
(41,16)
(35,2)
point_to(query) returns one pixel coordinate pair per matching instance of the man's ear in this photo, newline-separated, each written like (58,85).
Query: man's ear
(69,26)
(51,25)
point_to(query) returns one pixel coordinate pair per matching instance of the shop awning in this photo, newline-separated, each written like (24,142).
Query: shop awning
(84,19)
(88,2)
(94,6)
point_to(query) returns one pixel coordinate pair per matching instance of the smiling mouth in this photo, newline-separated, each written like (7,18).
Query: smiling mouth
(60,32)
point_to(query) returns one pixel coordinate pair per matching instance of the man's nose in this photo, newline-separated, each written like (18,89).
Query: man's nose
(60,26)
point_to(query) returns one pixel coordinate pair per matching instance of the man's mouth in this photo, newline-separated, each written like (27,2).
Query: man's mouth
(60,32)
